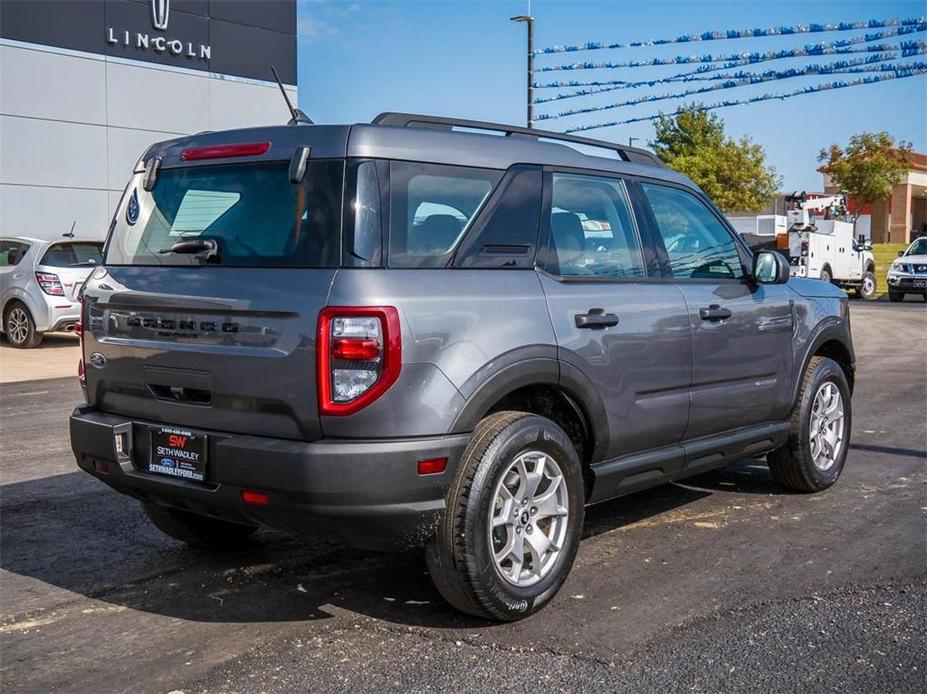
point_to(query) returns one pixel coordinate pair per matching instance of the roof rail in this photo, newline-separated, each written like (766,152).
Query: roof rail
(405,120)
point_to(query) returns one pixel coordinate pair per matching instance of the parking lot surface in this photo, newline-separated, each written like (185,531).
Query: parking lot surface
(721,583)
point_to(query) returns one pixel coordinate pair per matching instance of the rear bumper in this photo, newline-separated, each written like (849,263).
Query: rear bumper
(367,493)
(57,313)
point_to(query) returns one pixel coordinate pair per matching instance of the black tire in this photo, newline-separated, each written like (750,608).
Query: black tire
(896,296)
(867,287)
(793,466)
(825,275)
(461,555)
(198,531)
(19,326)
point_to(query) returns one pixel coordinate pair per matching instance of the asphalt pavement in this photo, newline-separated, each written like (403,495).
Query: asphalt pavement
(722,583)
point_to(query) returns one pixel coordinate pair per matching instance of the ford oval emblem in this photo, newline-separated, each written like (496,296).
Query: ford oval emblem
(97,359)
(132,208)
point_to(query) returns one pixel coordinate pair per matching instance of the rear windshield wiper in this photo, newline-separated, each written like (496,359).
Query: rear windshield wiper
(207,248)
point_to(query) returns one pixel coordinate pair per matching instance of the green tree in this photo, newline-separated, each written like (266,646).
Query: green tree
(733,172)
(869,167)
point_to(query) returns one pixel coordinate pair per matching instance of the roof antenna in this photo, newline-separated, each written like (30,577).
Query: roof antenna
(70,234)
(297,115)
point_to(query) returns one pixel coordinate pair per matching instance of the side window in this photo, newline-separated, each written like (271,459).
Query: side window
(592,232)
(697,244)
(509,236)
(430,208)
(11,252)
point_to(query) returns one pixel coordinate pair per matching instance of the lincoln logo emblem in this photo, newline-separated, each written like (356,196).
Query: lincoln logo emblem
(160,12)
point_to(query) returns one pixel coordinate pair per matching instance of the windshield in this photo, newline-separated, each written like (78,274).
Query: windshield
(252,212)
(919,247)
(73,254)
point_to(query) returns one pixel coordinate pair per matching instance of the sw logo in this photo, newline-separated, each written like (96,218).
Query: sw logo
(176,441)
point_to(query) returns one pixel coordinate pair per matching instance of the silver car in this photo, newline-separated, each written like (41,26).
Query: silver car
(39,281)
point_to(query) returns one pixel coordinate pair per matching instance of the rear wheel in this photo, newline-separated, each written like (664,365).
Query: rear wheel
(196,530)
(819,436)
(20,327)
(825,275)
(513,519)
(896,296)
(867,288)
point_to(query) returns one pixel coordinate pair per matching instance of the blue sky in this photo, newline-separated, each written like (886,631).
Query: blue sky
(466,59)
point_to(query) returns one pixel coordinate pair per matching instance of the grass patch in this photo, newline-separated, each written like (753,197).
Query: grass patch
(884,254)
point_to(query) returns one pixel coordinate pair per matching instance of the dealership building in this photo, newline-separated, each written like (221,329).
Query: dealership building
(87,85)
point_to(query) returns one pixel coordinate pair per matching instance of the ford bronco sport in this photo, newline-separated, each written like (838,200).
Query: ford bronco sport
(456,334)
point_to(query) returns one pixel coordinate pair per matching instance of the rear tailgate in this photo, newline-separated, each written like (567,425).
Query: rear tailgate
(223,348)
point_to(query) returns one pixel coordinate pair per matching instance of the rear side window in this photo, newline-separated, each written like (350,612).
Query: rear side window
(11,252)
(430,208)
(697,244)
(73,254)
(592,232)
(253,211)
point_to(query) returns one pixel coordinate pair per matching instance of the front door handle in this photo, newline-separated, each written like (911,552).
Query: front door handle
(714,312)
(595,318)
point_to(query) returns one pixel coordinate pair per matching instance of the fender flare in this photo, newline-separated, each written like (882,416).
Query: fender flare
(827,331)
(496,380)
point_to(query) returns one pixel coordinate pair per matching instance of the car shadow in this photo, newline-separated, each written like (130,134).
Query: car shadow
(71,532)
(51,341)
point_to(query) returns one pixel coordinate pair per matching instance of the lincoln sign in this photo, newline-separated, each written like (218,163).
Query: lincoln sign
(160,16)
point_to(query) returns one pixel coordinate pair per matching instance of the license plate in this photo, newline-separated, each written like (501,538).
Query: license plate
(178,453)
(920,283)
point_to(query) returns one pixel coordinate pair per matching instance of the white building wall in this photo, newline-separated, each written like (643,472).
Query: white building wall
(73,124)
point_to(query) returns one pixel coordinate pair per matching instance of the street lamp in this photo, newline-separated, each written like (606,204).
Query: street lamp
(529,20)
(631,141)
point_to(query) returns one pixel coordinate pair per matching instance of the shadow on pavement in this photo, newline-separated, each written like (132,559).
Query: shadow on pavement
(71,532)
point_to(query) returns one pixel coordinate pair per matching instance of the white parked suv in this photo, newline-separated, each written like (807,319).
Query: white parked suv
(908,274)
(39,282)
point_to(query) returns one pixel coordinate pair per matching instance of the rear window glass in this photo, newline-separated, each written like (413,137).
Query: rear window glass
(73,254)
(256,216)
(430,208)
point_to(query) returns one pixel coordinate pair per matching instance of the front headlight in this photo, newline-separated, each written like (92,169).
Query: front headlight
(896,267)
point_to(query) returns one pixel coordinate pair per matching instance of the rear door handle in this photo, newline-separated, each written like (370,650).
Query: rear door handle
(595,318)
(714,312)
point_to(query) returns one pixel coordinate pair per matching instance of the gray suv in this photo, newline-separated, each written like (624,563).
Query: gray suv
(441,333)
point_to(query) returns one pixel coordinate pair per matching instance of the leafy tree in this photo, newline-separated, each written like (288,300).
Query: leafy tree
(733,172)
(869,167)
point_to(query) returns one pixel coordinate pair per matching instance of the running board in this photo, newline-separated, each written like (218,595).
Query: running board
(638,471)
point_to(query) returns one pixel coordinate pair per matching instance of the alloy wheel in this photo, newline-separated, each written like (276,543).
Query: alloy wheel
(826,434)
(529,518)
(17,326)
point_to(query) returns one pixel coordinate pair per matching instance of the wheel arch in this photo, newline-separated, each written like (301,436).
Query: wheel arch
(830,341)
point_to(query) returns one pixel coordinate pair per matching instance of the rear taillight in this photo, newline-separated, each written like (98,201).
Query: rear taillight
(49,283)
(359,354)
(804,248)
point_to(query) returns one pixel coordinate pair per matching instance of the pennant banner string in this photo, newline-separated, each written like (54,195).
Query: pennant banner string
(730,84)
(738,34)
(901,74)
(811,49)
(735,79)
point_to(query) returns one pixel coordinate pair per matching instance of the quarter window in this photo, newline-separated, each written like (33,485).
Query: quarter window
(430,208)
(697,244)
(592,232)
(11,252)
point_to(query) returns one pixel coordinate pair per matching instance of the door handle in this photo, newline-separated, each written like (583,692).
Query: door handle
(595,318)
(714,312)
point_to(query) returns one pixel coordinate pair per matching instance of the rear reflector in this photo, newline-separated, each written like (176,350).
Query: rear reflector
(252,497)
(432,466)
(101,467)
(246,149)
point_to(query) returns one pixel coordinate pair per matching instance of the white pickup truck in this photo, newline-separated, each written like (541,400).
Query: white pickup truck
(822,248)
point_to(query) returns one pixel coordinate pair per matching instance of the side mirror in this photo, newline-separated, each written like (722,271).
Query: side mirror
(770,267)
(900,254)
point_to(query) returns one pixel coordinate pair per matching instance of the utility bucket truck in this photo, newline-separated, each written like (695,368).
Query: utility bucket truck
(823,247)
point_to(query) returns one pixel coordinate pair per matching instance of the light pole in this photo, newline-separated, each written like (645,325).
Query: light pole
(529,20)
(631,141)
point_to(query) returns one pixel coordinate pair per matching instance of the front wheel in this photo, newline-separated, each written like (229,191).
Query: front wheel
(513,519)
(867,288)
(819,435)
(895,297)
